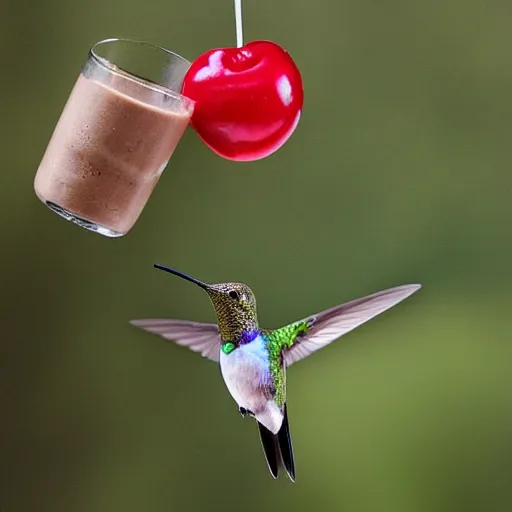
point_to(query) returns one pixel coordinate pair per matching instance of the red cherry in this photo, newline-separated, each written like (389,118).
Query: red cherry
(248,99)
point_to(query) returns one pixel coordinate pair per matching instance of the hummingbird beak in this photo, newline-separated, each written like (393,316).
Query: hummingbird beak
(182,275)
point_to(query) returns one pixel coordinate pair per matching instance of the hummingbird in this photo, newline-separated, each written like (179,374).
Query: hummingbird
(253,360)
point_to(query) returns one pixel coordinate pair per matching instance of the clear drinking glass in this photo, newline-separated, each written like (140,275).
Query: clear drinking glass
(117,132)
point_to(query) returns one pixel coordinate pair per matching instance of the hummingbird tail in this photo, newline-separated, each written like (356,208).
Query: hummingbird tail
(270,448)
(278,448)
(285,447)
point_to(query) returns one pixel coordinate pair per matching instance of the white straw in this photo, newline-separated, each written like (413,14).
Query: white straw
(238,21)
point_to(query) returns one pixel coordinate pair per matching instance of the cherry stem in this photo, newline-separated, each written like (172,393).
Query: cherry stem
(238,21)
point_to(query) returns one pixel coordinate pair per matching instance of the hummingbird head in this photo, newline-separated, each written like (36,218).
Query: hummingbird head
(234,303)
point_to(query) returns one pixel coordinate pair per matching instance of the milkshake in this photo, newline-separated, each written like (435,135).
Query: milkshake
(112,142)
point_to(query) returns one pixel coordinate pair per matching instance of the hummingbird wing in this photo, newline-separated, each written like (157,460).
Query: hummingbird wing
(197,336)
(329,325)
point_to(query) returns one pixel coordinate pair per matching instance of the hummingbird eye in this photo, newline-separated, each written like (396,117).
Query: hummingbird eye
(233,294)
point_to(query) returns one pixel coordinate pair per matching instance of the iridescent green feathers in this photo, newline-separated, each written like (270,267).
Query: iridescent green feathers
(278,341)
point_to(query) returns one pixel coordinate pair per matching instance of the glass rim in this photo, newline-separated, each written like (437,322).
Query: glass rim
(110,66)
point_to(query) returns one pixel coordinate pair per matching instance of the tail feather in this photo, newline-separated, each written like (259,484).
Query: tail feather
(286,448)
(278,448)
(270,448)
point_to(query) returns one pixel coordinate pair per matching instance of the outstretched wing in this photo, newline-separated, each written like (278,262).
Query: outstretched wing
(199,337)
(329,325)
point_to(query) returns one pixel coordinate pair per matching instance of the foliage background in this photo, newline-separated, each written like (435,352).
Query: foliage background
(399,172)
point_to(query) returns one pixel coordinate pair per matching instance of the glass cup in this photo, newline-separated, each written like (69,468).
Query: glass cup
(116,134)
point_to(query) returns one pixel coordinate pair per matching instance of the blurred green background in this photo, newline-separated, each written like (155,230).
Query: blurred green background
(398,172)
